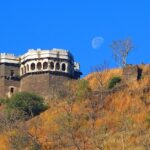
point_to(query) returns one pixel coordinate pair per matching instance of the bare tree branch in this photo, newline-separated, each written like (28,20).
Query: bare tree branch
(121,49)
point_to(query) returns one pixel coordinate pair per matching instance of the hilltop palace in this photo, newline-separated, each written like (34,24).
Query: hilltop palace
(36,71)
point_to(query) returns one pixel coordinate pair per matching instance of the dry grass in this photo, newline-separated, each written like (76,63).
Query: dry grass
(121,109)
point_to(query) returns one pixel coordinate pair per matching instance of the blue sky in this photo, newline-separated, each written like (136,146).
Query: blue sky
(72,24)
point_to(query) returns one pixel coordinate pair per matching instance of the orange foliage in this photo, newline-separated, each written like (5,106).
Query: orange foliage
(126,103)
(4,144)
(92,78)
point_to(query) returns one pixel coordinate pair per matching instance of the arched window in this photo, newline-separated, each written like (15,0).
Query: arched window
(33,66)
(51,65)
(27,67)
(39,66)
(63,67)
(57,66)
(45,65)
(12,73)
(12,90)
(22,72)
(24,69)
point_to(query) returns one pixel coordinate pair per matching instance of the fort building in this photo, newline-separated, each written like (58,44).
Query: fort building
(36,71)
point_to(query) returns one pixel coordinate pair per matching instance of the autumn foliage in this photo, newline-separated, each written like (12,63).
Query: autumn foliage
(88,118)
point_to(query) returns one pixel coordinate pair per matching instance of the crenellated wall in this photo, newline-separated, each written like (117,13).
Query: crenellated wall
(37,71)
(54,61)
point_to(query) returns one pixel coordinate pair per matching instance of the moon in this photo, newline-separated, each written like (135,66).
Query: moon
(97,42)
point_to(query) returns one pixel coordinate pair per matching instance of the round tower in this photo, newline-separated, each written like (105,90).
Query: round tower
(41,70)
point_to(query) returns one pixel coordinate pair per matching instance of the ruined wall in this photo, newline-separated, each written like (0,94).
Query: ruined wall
(131,72)
(146,69)
(44,84)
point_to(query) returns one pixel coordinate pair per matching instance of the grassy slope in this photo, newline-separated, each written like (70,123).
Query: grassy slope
(124,114)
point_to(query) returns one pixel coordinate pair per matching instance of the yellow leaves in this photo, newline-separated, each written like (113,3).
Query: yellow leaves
(99,122)
(105,76)
(123,112)
(4,144)
(140,117)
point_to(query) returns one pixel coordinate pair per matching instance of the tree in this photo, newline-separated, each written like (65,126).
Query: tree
(28,103)
(121,49)
(73,131)
(20,138)
(100,73)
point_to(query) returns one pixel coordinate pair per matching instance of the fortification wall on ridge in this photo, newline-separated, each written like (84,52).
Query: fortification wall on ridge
(43,84)
(38,71)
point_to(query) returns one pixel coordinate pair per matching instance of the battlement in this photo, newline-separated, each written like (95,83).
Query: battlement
(36,71)
(40,54)
(76,66)
(58,60)
(8,58)
(55,61)
(7,54)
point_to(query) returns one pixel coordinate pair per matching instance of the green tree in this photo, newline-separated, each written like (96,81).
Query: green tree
(113,81)
(27,103)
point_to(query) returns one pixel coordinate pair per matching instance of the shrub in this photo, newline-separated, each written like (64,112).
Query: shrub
(21,139)
(113,81)
(83,89)
(28,103)
(147,119)
(2,101)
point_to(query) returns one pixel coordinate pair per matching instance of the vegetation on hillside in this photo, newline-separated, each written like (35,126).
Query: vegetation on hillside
(28,103)
(89,117)
(113,81)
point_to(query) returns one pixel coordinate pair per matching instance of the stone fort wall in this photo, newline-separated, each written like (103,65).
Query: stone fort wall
(2,87)
(136,72)
(43,72)
(45,84)
(9,79)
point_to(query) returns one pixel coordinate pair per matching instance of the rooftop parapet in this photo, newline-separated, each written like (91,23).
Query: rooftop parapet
(7,54)
(54,53)
(77,66)
(8,58)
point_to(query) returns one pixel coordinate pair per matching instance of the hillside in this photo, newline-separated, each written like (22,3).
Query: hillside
(90,117)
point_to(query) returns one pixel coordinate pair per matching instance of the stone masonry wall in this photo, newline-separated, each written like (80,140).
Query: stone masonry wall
(6,85)
(5,69)
(2,70)
(7,81)
(2,87)
(10,83)
(131,72)
(43,84)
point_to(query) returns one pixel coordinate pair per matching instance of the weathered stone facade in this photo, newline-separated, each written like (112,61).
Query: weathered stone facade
(44,84)
(37,71)
(9,75)
(132,72)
